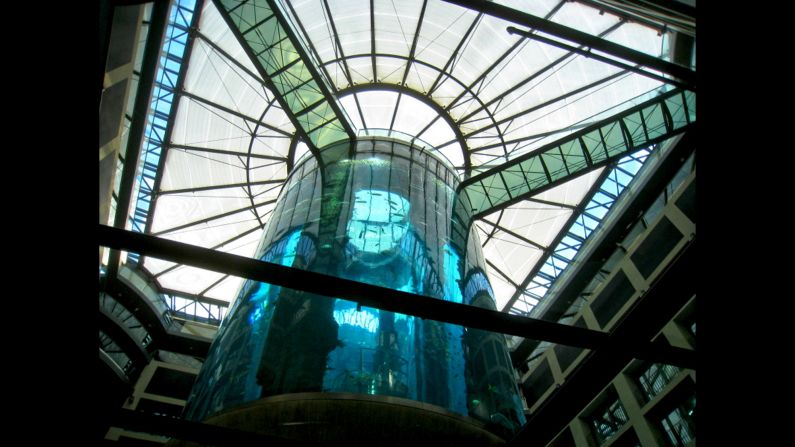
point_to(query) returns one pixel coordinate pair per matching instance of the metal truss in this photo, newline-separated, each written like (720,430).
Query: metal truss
(168,81)
(157,26)
(274,46)
(597,145)
(196,308)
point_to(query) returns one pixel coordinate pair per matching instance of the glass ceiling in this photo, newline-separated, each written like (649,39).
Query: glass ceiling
(450,77)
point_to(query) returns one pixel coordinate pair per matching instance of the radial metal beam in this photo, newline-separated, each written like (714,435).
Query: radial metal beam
(497,99)
(455,52)
(235,113)
(365,294)
(188,148)
(497,61)
(597,145)
(549,102)
(215,217)
(280,55)
(414,42)
(216,187)
(580,38)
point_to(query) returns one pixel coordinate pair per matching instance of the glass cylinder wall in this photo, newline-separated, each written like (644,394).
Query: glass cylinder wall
(381,216)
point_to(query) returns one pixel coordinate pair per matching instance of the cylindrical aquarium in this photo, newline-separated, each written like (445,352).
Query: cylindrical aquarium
(376,211)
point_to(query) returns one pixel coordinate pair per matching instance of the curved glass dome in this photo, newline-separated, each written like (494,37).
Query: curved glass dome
(432,72)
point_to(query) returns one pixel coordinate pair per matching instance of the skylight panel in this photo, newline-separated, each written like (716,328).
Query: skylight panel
(158,116)
(213,28)
(189,279)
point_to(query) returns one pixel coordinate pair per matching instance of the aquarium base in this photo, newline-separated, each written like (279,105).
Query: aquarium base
(353,419)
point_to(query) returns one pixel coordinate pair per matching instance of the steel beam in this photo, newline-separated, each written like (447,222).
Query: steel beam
(597,145)
(361,293)
(600,58)
(178,87)
(580,38)
(289,72)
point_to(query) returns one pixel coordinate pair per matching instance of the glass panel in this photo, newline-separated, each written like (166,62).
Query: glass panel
(655,122)
(477,197)
(593,142)
(496,189)
(514,178)
(690,99)
(677,109)
(573,154)
(653,379)
(635,128)
(679,425)
(329,133)
(554,162)
(608,419)
(534,172)
(246,15)
(614,139)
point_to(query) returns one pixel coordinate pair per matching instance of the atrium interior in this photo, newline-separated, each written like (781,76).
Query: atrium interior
(480,215)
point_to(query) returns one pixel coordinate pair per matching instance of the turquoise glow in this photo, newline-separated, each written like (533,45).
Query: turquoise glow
(452,284)
(378,221)
(290,249)
(362,319)
(260,293)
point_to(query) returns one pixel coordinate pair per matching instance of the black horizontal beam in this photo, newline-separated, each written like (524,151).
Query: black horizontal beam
(579,37)
(361,293)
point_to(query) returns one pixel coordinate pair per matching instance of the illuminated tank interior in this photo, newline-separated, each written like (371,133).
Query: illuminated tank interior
(382,216)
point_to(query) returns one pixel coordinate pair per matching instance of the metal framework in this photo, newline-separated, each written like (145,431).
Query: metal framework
(658,306)
(441,113)
(157,27)
(279,55)
(597,145)
(581,38)
(574,234)
(170,78)
(590,263)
